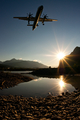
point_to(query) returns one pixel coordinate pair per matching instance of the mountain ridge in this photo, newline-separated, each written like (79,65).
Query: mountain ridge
(23,64)
(76,51)
(73,59)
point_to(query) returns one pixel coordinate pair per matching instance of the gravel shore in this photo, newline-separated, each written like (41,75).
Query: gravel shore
(64,107)
(8,80)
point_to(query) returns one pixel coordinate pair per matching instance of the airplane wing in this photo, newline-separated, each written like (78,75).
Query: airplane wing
(33,18)
(47,20)
(25,18)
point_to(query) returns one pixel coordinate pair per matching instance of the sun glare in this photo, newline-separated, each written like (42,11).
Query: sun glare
(60,55)
(61,83)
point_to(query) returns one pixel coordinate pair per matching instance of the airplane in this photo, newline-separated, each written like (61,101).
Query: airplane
(36,19)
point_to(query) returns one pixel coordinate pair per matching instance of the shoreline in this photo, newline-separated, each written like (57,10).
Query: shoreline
(61,107)
(64,107)
(8,80)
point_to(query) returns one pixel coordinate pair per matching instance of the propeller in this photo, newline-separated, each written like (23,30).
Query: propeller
(29,15)
(45,16)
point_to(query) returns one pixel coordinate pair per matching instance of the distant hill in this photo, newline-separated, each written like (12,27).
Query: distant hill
(0,62)
(73,59)
(76,51)
(71,62)
(23,64)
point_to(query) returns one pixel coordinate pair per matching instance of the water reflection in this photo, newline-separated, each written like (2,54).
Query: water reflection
(63,86)
(61,82)
(37,79)
(40,87)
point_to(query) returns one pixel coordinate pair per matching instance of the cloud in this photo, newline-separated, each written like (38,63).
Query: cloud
(37,61)
(20,59)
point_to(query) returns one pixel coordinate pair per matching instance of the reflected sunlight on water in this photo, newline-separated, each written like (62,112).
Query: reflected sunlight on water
(37,79)
(61,82)
(40,87)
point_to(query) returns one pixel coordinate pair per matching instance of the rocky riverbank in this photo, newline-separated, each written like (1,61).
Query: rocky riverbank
(8,80)
(65,107)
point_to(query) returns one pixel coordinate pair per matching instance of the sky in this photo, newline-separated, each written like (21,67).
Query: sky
(17,40)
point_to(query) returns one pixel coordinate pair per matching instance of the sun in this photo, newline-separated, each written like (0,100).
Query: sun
(60,55)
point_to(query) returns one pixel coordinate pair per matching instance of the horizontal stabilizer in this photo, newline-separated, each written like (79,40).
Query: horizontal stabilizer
(30,25)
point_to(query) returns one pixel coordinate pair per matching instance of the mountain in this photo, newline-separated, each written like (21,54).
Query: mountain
(0,62)
(76,51)
(71,60)
(23,64)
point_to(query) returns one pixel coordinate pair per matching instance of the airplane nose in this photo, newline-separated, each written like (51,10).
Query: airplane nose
(41,7)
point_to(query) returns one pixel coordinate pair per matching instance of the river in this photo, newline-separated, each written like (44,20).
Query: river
(40,86)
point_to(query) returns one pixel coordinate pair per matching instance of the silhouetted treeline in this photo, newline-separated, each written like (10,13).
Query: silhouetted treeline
(45,71)
(69,70)
(7,68)
(56,71)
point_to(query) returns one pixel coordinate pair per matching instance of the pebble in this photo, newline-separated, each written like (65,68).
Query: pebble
(65,107)
(8,80)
